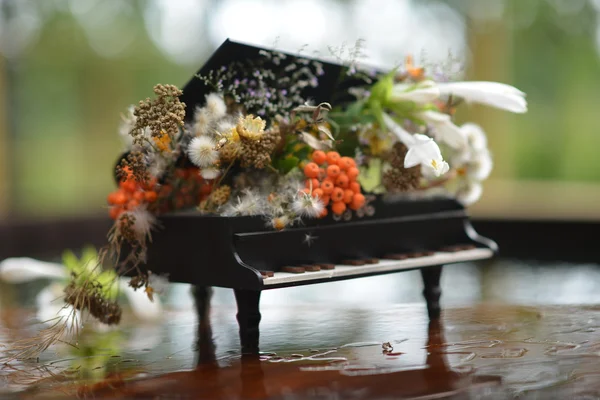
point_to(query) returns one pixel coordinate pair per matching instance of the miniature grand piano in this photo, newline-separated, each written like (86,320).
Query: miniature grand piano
(243,254)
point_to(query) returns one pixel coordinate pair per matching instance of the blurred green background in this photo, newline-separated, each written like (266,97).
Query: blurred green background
(69,68)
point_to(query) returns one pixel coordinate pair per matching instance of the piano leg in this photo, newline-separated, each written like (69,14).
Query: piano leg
(248,318)
(432,291)
(205,345)
(202,296)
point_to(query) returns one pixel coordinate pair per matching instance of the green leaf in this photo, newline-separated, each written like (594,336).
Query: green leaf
(89,258)
(402,109)
(70,261)
(377,111)
(382,90)
(108,280)
(302,153)
(356,108)
(287,164)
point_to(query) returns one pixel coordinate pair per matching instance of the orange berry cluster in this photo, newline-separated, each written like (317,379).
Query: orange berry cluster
(187,190)
(332,179)
(130,195)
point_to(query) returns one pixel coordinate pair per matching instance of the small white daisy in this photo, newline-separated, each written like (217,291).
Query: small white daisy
(307,206)
(201,151)
(215,105)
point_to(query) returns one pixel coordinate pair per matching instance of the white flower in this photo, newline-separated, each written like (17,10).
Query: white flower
(421,93)
(445,130)
(215,105)
(202,121)
(480,166)
(210,173)
(201,151)
(23,269)
(476,144)
(493,94)
(469,192)
(307,206)
(421,149)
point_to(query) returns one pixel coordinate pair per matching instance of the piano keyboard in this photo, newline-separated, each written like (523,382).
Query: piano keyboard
(382,266)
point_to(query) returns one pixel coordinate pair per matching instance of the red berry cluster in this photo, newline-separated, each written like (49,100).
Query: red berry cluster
(187,189)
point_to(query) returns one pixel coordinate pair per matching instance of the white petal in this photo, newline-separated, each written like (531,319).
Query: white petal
(445,129)
(493,94)
(422,153)
(421,95)
(430,150)
(444,167)
(19,270)
(412,158)
(419,137)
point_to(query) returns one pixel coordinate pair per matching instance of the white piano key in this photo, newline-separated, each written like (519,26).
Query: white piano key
(439,258)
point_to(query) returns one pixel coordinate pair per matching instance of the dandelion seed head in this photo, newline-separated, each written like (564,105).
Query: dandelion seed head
(307,206)
(215,106)
(201,151)
(202,121)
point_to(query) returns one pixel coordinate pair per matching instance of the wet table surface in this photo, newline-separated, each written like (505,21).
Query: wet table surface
(508,329)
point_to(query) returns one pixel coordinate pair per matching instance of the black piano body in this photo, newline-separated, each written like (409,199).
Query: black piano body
(244,254)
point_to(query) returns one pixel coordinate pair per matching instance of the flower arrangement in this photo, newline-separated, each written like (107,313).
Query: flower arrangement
(260,143)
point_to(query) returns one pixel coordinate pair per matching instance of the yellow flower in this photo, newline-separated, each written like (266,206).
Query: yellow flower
(163,141)
(232,136)
(378,141)
(251,127)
